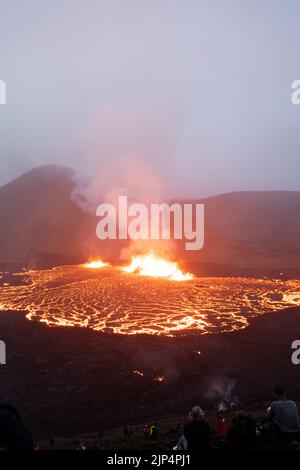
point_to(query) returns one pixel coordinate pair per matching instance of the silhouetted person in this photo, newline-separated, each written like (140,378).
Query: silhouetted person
(13,434)
(242,432)
(127,433)
(222,427)
(197,430)
(284,415)
(153,432)
(52,442)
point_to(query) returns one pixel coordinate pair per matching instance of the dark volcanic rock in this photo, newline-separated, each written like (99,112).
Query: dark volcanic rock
(67,381)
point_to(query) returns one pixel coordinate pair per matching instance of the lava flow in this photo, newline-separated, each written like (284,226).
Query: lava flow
(113,301)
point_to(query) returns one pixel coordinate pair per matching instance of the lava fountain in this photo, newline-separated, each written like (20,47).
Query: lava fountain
(152,265)
(95,264)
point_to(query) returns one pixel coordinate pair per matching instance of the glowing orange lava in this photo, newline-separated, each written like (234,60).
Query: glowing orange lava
(152,265)
(138,372)
(159,378)
(95,264)
(112,302)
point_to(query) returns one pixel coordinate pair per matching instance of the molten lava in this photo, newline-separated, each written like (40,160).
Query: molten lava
(158,378)
(95,264)
(138,372)
(152,265)
(109,301)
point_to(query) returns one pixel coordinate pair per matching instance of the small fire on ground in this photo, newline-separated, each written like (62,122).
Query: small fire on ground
(155,378)
(158,378)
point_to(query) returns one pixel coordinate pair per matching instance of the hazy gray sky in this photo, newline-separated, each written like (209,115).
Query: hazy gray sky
(197,91)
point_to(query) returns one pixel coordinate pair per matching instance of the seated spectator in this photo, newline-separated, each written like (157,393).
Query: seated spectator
(242,432)
(264,432)
(52,442)
(146,430)
(221,427)
(153,432)
(283,413)
(127,433)
(197,430)
(13,433)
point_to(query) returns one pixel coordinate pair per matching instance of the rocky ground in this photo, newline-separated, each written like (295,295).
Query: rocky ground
(69,381)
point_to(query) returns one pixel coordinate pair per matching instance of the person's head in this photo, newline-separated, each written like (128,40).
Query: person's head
(197,413)
(11,409)
(239,417)
(279,391)
(240,414)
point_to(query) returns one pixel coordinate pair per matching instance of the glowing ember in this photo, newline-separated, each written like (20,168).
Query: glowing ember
(96,264)
(137,372)
(159,378)
(151,265)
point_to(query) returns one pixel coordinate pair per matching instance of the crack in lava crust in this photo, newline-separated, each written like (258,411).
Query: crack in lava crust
(109,300)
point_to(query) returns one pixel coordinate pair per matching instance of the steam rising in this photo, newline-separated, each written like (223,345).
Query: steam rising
(131,149)
(221,390)
(127,147)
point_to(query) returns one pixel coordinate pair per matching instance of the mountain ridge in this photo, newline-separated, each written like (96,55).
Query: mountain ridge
(41,220)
